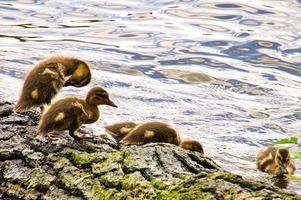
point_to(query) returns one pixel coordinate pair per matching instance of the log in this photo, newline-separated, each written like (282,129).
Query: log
(31,167)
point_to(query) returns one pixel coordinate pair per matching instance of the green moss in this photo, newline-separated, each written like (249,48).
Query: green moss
(31,184)
(134,185)
(58,162)
(232,178)
(197,190)
(137,187)
(83,158)
(40,180)
(14,187)
(182,176)
(104,136)
(111,194)
(111,180)
(82,183)
(158,184)
(117,156)
(127,158)
(61,163)
(290,197)
(94,191)
(68,179)
(56,193)
(112,163)
(16,191)
(132,182)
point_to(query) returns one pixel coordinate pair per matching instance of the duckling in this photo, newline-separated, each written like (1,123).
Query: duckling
(192,145)
(274,160)
(152,132)
(71,112)
(119,130)
(47,77)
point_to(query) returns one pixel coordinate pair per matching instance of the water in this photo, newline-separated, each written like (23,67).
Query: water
(143,52)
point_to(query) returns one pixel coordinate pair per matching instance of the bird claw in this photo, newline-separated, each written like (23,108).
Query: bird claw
(81,137)
(86,137)
(52,136)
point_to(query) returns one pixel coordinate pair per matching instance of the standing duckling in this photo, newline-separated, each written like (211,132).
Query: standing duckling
(71,112)
(274,160)
(119,130)
(47,77)
(152,132)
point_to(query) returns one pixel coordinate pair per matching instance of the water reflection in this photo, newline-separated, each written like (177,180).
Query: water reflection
(225,73)
(281,181)
(187,76)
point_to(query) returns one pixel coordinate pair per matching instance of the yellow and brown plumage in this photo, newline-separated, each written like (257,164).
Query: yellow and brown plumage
(71,112)
(192,145)
(119,130)
(274,160)
(152,132)
(48,76)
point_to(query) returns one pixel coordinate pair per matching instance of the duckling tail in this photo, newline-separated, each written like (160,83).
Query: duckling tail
(19,107)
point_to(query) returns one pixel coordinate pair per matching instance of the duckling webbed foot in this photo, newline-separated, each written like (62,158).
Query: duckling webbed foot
(52,136)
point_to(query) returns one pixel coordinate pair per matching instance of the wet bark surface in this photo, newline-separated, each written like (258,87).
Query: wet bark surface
(31,167)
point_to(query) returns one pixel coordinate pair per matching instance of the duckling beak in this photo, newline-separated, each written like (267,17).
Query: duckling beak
(283,169)
(67,83)
(111,103)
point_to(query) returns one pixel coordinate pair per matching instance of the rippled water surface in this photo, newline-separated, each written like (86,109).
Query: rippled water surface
(224,72)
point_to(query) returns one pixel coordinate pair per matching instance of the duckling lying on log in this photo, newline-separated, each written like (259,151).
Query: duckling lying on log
(131,133)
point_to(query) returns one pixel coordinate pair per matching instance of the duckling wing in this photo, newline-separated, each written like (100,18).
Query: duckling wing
(131,141)
(152,132)
(266,159)
(40,86)
(52,80)
(64,114)
(119,130)
(135,138)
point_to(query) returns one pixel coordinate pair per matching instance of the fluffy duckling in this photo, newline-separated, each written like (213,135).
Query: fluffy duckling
(274,160)
(139,134)
(192,145)
(152,132)
(71,112)
(119,130)
(47,77)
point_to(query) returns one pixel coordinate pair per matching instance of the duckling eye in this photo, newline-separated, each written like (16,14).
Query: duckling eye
(280,159)
(101,95)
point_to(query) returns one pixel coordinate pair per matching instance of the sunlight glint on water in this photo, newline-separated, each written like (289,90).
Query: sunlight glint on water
(142,52)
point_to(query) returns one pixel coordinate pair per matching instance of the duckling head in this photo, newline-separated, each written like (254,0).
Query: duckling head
(283,159)
(99,96)
(81,75)
(192,145)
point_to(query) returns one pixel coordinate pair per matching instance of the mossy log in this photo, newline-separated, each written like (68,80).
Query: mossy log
(31,167)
